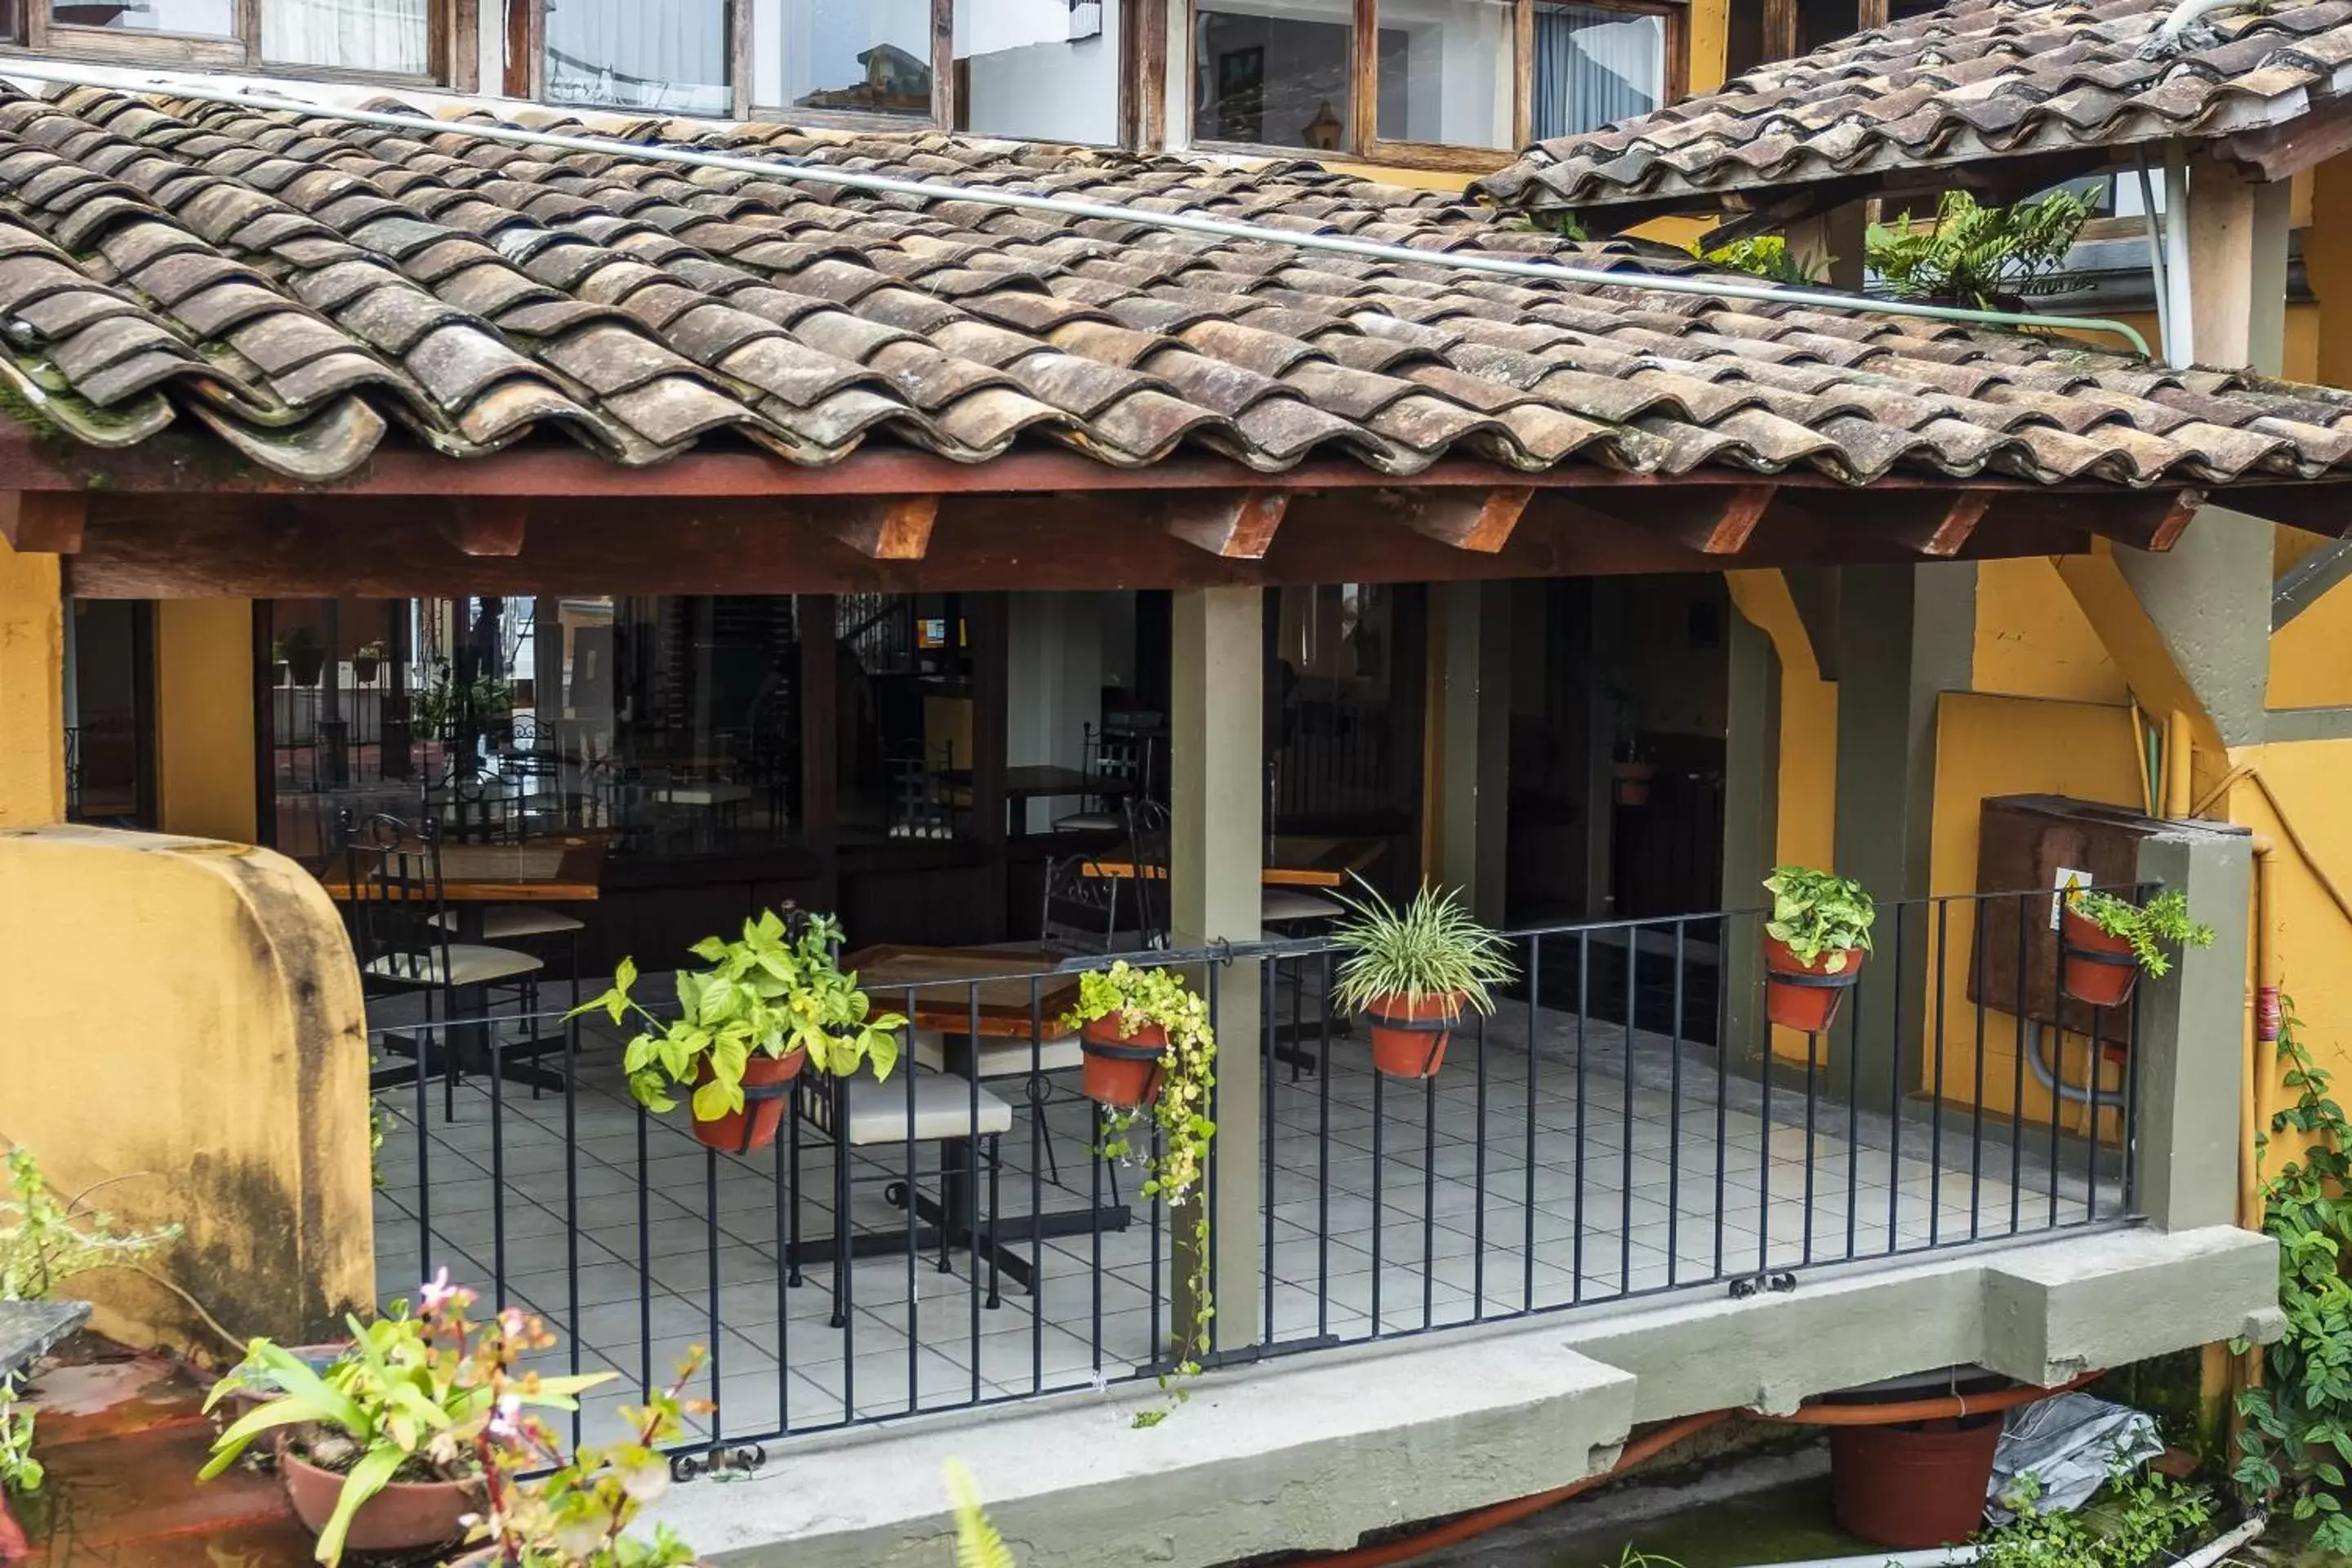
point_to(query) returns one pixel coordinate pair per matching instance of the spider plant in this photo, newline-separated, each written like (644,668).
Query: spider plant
(1432,950)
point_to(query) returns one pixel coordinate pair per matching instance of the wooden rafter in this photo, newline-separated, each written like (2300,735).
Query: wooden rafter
(1476,519)
(885,528)
(1238,525)
(2282,152)
(488,525)
(47,522)
(1941,535)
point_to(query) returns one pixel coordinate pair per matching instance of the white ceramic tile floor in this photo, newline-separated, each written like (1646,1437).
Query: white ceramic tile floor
(1669,1188)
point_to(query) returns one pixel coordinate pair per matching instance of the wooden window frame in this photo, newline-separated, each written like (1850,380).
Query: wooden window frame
(1365,144)
(452,51)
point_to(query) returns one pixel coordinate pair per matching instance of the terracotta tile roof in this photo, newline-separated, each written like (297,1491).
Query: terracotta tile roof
(1973,81)
(303,286)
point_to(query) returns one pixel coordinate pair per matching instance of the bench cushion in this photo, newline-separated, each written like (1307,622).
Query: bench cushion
(944,1108)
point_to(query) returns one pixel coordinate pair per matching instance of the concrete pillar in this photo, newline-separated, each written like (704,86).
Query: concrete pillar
(1751,826)
(205,747)
(1216,852)
(32,691)
(2237,267)
(2192,1028)
(1474,741)
(1905,635)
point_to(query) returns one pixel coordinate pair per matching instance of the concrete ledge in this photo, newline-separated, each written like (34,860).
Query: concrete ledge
(1309,1453)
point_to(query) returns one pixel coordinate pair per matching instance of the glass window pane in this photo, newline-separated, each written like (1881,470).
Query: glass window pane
(1446,71)
(1043,71)
(203,18)
(866,57)
(1276,79)
(347,35)
(1595,67)
(624,54)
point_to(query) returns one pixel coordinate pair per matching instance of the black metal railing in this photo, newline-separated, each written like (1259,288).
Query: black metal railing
(954,1236)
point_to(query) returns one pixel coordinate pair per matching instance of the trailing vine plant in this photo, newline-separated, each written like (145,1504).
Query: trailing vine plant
(2163,921)
(2296,1444)
(1177,1171)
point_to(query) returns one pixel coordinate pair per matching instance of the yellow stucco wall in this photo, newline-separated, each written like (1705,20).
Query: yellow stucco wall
(205,718)
(2311,656)
(32,691)
(181,1019)
(2314,937)
(2033,640)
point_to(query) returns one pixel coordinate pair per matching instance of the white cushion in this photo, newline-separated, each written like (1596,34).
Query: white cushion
(943,1109)
(1090,822)
(1001,1058)
(469,966)
(504,922)
(702,795)
(1277,904)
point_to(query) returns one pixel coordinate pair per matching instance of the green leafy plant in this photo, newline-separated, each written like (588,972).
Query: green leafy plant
(2163,921)
(1177,1171)
(1817,913)
(442,702)
(375,650)
(1434,949)
(978,1544)
(776,990)
(2295,1445)
(577,1510)
(1762,256)
(45,1241)
(1986,257)
(404,1403)
(2134,1519)
(19,1472)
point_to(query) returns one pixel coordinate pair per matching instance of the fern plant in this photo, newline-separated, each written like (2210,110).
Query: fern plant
(978,1544)
(1980,257)
(1764,256)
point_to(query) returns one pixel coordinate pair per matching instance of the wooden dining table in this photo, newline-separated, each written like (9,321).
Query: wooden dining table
(1292,860)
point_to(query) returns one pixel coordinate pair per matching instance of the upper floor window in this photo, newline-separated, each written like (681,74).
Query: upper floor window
(406,38)
(1041,69)
(1425,81)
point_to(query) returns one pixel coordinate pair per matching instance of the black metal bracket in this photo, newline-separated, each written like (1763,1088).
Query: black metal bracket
(1747,1285)
(719,1464)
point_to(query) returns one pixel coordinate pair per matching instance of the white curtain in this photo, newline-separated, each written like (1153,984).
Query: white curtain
(1595,67)
(347,35)
(671,56)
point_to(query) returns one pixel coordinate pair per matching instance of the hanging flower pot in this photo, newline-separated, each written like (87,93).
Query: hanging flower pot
(1122,1071)
(767,1089)
(1914,1485)
(1801,995)
(364,669)
(1630,782)
(1410,1033)
(2100,969)
(405,1516)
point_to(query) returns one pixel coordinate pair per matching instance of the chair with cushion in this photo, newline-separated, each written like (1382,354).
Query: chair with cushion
(1116,757)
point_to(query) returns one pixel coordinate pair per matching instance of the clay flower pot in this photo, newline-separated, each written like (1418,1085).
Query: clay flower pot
(2100,969)
(1409,1035)
(1630,782)
(1805,995)
(1915,1485)
(767,1089)
(1122,1071)
(406,1516)
(364,669)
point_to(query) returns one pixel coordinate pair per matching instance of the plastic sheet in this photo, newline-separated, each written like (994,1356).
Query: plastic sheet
(2071,1445)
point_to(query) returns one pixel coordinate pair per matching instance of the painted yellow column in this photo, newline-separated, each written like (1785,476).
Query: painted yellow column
(32,691)
(204,743)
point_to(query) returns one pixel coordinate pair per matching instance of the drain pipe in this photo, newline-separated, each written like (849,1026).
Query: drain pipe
(2183,319)
(2157,270)
(1710,287)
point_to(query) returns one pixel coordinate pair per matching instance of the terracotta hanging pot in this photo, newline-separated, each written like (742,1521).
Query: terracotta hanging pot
(1122,1071)
(406,1516)
(2100,969)
(1914,1485)
(364,669)
(767,1091)
(1410,1034)
(1630,782)
(1799,996)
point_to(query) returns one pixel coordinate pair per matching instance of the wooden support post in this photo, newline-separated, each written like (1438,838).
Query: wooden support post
(43,522)
(885,528)
(1238,525)
(2237,267)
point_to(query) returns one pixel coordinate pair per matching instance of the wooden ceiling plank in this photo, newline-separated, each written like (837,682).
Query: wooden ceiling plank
(887,528)
(1238,525)
(43,522)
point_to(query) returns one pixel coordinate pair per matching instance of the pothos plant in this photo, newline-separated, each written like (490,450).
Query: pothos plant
(776,990)
(1817,914)
(2161,923)
(1176,1165)
(2295,1448)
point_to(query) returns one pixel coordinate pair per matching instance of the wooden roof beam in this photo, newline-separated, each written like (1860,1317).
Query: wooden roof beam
(1238,525)
(1473,519)
(2281,151)
(884,528)
(43,522)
